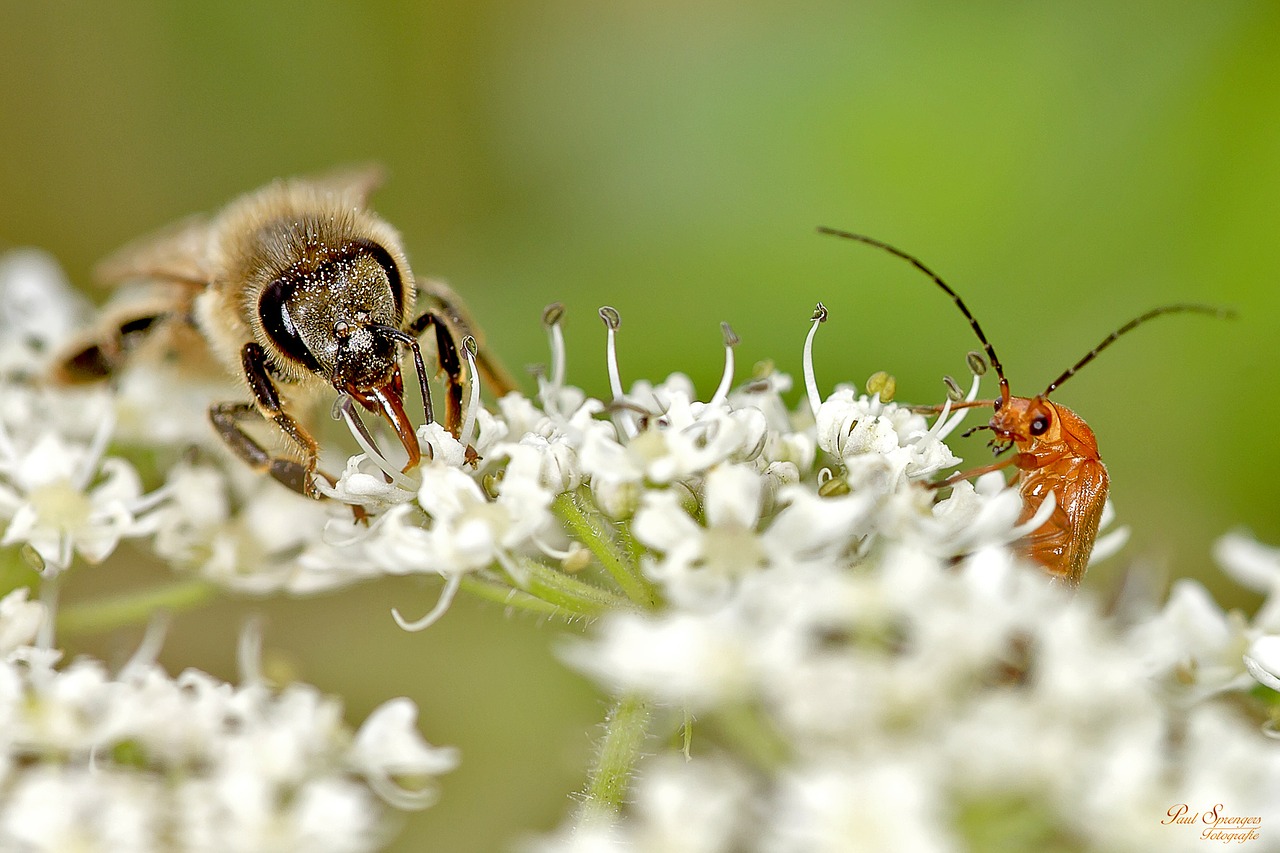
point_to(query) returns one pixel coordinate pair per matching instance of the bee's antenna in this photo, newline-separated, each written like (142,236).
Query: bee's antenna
(1129,327)
(955,297)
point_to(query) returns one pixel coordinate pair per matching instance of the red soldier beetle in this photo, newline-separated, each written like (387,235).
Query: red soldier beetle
(1057,452)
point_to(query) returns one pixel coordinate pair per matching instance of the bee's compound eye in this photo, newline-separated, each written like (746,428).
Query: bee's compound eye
(341,329)
(1039,425)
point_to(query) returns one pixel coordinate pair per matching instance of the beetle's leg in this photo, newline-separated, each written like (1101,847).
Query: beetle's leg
(450,365)
(975,472)
(227,418)
(450,307)
(960,404)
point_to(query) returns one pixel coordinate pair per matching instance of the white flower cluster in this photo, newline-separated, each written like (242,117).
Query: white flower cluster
(891,701)
(857,665)
(137,760)
(140,761)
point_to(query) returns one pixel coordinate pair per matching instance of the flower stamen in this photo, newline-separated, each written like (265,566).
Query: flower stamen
(810,382)
(469,349)
(342,408)
(152,641)
(551,317)
(612,321)
(730,341)
(450,589)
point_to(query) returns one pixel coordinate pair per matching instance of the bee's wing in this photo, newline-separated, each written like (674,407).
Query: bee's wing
(174,255)
(356,183)
(153,313)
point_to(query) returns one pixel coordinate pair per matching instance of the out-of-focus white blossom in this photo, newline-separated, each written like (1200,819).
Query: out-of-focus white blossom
(63,498)
(865,663)
(142,761)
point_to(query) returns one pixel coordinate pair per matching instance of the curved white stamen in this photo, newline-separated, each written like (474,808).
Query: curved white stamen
(730,341)
(249,651)
(97,447)
(1038,520)
(150,499)
(551,317)
(442,607)
(612,321)
(936,430)
(549,550)
(810,382)
(513,569)
(152,641)
(961,414)
(404,799)
(467,436)
(370,451)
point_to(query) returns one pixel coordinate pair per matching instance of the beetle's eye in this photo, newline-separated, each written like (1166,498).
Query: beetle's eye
(998,402)
(1039,425)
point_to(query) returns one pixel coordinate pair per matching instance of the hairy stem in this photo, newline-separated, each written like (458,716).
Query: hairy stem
(516,599)
(561,590)
(625,730)
(587,524)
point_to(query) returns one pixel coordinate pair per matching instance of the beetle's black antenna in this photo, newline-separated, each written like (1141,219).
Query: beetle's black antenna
(1129,327)
(955,297)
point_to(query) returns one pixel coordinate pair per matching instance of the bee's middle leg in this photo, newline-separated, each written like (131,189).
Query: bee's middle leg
(227,418)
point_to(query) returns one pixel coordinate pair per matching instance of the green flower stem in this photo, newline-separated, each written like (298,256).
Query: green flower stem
(133,608)
(625,731)
(629,544)
(587,524)
(568,593)
(517,599)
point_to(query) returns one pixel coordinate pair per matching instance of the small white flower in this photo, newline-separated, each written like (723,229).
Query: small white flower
(19,620)
(38,310)
(141,761)
(1263,661)
(390,753)
(691,661)
(858,805)
(1248,561)
(1193,641)
(1257,567)
(63,499)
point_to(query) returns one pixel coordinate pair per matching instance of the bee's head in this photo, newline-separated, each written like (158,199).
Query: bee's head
(339,317)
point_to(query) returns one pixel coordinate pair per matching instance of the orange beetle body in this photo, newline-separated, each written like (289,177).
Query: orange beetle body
(1057,452)
(1063,460)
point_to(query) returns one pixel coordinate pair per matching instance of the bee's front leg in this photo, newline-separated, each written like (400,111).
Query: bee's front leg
(450,365)
(227,418)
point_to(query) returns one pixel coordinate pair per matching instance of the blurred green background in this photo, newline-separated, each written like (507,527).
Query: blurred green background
(1064,166)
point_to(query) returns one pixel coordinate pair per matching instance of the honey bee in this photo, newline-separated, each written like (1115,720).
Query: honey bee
(295,287)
